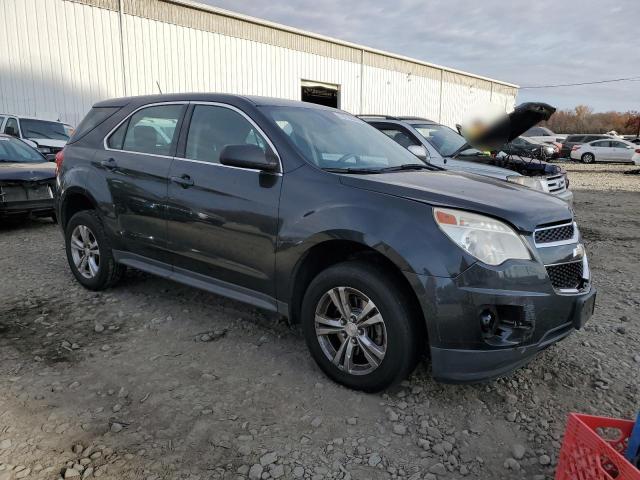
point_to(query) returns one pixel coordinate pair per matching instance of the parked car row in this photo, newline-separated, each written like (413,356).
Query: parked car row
(310,212)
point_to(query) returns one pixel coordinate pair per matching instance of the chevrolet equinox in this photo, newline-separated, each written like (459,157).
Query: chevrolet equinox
(310,212)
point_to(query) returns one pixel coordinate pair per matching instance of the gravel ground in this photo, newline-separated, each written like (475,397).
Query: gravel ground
(154,380)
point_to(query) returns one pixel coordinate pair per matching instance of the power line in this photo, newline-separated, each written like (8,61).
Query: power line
(628,79)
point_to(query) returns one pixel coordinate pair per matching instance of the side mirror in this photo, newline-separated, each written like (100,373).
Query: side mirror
(11,131)
(249,156)
(419,151)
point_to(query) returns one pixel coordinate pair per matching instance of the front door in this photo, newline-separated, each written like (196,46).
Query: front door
(222,220)
(136,164)
(623,151)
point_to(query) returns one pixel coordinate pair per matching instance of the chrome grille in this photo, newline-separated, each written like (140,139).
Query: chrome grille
(556,184)
(566,276)
(558,233)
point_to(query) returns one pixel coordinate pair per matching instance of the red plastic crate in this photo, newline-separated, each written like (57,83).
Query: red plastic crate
(585,455)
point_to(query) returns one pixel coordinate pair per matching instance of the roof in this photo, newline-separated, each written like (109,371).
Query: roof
(207,97)
(364,48)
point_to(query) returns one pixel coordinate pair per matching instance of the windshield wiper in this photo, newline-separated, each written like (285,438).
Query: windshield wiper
(408,166)
(353,170)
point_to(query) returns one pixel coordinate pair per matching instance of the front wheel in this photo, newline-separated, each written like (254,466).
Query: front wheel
(89,252)
(359,327)
(588,158)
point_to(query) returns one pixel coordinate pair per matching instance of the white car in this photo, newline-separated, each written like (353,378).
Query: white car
(614,150)
(47,136)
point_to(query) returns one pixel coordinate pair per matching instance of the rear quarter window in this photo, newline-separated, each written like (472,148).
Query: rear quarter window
(95,117)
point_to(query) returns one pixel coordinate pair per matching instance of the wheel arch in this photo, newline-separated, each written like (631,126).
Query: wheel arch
(74,200)
(327,253)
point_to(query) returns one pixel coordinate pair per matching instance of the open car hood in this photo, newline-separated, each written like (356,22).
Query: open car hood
(511,126)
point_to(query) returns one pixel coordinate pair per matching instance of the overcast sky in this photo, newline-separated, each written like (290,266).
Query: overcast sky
(532,42)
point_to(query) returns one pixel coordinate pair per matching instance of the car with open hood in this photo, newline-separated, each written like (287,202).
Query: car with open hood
(47,136)
(27,180)
(311,213)
(444,147)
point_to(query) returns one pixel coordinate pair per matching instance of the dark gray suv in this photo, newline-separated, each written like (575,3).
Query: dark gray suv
(311,212)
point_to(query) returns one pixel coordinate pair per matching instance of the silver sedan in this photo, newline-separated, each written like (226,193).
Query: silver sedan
(614,150)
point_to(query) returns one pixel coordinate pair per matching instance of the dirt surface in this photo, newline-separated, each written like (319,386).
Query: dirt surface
(154,380)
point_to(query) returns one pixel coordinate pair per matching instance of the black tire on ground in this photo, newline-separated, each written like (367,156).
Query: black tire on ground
(588,158)
(54,218)
(403,335)
(109,272)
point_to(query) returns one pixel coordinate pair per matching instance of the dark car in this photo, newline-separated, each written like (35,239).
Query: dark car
(27,180)
(524,146)
(310,212)
(573,140)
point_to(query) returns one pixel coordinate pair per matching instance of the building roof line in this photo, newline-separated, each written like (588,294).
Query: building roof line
(278,26)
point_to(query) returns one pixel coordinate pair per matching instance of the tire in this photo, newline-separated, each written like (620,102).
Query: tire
(588,158)
(99,271)
(397,334)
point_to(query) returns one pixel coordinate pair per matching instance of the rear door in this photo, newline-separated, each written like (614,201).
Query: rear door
(223,220)
(601,150)
(136,162)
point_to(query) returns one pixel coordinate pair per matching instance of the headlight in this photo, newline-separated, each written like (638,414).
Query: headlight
(487,239)
(537,183)
(44,149)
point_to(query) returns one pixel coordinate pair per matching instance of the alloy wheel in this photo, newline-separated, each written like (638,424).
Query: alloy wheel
(350,330)
(85,251)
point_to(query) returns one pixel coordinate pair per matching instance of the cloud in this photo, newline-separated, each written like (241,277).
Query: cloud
(524,42)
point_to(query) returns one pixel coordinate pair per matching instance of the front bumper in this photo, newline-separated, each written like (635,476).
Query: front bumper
(529,315)
(33,207)
(467,366)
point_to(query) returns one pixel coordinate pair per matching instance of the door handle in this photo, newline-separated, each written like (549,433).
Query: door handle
(185,181)
(109,163)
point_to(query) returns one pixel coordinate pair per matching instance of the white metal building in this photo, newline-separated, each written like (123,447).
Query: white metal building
(58,57)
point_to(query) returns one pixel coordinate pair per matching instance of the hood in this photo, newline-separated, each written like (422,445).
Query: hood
(48,142)
(529,167)
(511,126)
(27,172)
(522,207)
(479,168)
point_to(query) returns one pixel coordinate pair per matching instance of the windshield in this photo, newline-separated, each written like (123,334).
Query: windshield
(336,140)
(43,129)
(445,140)
(16,151)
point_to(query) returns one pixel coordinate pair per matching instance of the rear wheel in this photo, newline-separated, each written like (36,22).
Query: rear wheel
(89,252)
(359,327)
(588,158)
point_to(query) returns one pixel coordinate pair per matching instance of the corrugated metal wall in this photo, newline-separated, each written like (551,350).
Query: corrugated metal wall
(58,57)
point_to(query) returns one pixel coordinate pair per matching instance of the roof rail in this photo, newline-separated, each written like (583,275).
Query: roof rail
(416,118)
(373,115)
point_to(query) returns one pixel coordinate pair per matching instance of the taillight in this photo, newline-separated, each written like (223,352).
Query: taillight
(637,150)
(59,160)
(575,147)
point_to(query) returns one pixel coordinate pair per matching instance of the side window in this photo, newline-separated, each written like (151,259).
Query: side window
(1,120)
(150,130)
(618,145)
(602,143)
(399,136)
(212,128)
(11,128)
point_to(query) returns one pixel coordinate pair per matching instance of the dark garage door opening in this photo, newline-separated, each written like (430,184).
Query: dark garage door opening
(320,93)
